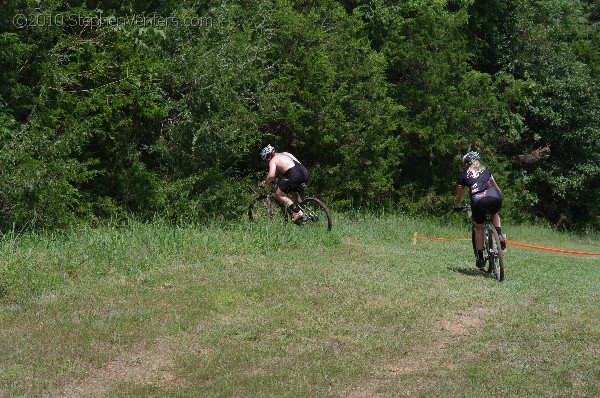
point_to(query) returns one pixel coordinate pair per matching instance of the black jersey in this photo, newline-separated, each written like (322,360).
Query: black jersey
(484,196)
(477,180)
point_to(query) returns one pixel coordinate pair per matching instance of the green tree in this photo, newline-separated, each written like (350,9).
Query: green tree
(302,77)
(555,93)
(450,106)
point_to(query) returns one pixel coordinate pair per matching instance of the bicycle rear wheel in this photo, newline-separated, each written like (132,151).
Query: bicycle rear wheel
(264,209)
(316,214)
(496,255)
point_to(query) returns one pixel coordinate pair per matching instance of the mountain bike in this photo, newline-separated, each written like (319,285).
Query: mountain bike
(492,250)
(266,208)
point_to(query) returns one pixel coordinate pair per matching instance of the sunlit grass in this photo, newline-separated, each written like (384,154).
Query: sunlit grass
(252,310)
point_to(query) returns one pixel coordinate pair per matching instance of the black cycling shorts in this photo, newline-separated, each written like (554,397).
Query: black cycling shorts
(489,200)
(293,179)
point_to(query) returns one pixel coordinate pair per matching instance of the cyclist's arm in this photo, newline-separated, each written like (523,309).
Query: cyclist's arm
(458,197)
(495,185)
(272,172)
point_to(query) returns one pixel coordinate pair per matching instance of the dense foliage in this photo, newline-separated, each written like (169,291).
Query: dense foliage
(161,107)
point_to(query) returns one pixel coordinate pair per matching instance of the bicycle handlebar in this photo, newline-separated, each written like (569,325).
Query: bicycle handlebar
(465,208)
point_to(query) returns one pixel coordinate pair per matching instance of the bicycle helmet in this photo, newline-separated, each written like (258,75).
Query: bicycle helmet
(269,149)
(470,157)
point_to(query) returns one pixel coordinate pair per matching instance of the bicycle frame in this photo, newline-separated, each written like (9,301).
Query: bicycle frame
(314,210)
(493,253)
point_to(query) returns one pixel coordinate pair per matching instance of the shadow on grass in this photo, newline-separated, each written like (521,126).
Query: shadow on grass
(471,272)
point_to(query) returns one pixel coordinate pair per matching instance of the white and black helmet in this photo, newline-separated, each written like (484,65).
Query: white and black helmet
(269,149)
(470,157)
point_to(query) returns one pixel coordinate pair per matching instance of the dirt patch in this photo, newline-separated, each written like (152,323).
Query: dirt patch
(447,332)
(142,364)
(450,329)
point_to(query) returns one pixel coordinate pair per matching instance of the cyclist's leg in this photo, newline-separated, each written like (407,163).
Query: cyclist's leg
(478,215)
(292,184)
(479,256)
(292,207)
(298,178)
(496,220)
(295,196)
(479,236)
(495,204)
(473,240)
(286,188)
(300,192)
(498,227)
(283,198)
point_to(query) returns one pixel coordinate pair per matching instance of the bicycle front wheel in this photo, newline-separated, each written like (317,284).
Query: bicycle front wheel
(316,214)
(496,255)
(264,209)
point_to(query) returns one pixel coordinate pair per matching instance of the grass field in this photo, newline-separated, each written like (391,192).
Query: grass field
(152,310)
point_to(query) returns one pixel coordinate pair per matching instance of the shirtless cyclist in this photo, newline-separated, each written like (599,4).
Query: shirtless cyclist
(294,175)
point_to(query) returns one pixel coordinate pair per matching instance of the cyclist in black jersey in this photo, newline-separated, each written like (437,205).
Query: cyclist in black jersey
(294,175)
(485,194)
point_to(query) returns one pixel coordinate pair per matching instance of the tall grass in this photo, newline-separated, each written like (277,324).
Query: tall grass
(32,264)
(155,310)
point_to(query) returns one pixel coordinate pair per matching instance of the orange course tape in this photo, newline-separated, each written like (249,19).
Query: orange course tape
(415,237)
(551,249)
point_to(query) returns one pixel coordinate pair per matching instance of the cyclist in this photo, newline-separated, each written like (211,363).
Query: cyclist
(294,175)
(485,194)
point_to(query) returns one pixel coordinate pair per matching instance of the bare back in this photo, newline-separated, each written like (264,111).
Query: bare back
(281,162)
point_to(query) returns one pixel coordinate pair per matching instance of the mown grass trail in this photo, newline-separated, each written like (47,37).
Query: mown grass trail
(151,310)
